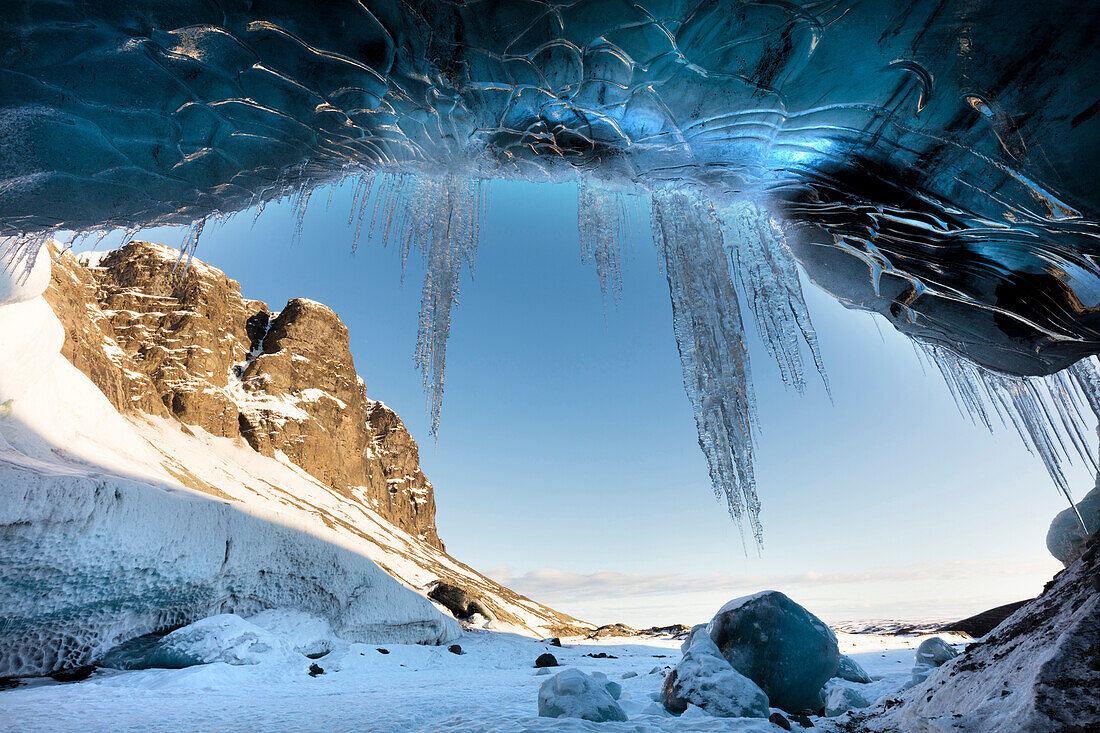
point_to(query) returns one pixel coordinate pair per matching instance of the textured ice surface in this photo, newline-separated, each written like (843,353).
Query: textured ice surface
(705,679)
(574,694)
(842,699)
(932,653)
(849,669)
(932,161)
(1070,529)
(780,646)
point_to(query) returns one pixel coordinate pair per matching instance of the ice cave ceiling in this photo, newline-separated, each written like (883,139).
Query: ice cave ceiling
(933,160)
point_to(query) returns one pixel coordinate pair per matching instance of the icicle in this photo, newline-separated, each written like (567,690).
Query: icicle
(709,334)
(1046,412)
(444,220)
(190,244)
(301,203)
(602,223)
(769,278)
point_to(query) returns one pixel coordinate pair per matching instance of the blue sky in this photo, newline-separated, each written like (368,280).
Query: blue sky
(567,462)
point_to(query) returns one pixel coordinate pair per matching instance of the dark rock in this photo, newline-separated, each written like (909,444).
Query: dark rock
(608,630)
(803,721)
(780,646)
(601,655)
(457,601)
(382,651)
(74,674)
(316,669)
(676,631)
(455,649)
(778,719)
(546,660)
(981,624)
(8,683)
(552,641)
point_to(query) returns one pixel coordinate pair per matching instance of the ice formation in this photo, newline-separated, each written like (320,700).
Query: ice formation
(933,162)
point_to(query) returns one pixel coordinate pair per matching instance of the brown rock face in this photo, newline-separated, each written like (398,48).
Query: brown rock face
(183,341)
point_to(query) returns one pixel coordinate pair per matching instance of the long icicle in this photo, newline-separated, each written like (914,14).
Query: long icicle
(710,337)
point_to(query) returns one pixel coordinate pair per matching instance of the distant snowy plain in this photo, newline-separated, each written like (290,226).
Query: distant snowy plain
(491,686)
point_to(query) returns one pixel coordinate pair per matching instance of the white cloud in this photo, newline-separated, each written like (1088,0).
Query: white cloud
(921,590)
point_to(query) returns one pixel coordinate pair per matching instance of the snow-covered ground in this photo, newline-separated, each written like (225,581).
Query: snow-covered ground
(491,686)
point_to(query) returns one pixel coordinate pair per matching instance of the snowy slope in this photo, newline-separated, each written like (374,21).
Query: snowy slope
(113,526)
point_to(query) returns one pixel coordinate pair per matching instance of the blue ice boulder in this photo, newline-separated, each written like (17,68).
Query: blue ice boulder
(779,645)
(705,679)
(1065,538)
(842,699)
(931,653)
(849,669)
(574,694)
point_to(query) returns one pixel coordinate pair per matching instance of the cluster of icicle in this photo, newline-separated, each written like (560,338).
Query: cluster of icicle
(439,216)
(716,257)
(705,249)
(1048,413)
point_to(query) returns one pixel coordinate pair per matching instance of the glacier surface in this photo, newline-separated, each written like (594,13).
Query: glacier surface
(933,162)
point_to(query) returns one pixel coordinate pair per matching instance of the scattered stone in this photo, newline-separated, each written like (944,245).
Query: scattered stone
(552,641)
(628,675)
(778,719)
(705,679)
(803,720)
(601,655)
(8,683)
(455,649)
(573,694)
(316,669)
(546,660)
(849,669)
(613,630)
(74,674)
(380,650)
(842,699)
(676,631)
(786,650)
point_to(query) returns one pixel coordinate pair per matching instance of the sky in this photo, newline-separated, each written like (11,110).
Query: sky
(567,464)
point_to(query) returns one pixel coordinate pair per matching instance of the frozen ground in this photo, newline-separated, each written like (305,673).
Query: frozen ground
(492,686)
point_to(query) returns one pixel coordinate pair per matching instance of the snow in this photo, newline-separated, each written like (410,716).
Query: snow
(491,687)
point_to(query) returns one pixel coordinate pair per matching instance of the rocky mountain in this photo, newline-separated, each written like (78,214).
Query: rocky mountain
(179,339)
(261,411)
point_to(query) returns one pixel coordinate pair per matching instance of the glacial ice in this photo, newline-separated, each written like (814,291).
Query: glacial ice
(849,669)
(842,699)
(779,645)
(574,694)
(934,164)
(705,679)
(1070,529)
(932,653)
(710,336)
